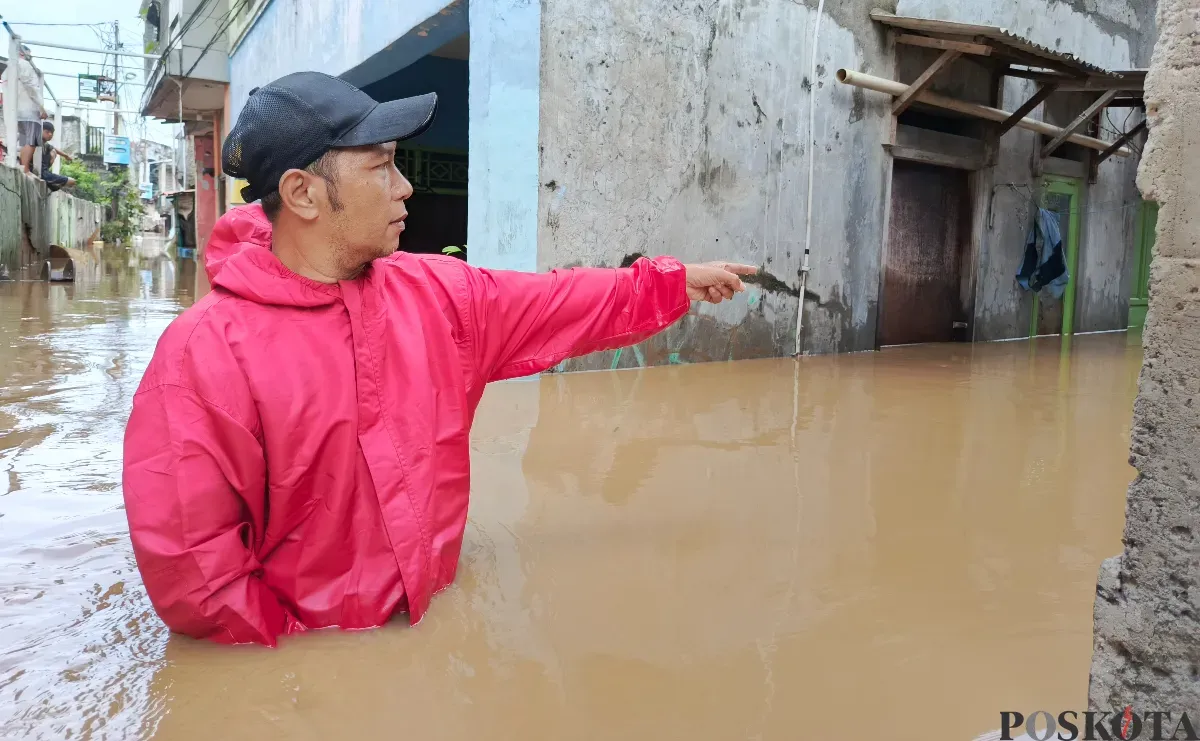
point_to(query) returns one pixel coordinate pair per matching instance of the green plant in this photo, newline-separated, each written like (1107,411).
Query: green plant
(124,209)
(112,189)
(452,250)
(88,185)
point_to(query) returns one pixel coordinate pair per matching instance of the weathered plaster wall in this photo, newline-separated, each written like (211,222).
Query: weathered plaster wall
(1147,630)
(689,138)
(503,171)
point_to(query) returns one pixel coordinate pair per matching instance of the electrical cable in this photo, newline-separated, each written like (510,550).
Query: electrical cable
(226,21)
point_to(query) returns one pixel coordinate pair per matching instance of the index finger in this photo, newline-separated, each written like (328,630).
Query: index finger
(739,269)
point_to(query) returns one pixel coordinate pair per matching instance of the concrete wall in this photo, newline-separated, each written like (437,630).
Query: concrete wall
(1147,630)
(32,218)
(689,138)
(211,66)
(502,209)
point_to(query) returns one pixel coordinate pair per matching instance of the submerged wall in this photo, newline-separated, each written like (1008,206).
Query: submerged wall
(32,218)
(689,138)
(1147,614)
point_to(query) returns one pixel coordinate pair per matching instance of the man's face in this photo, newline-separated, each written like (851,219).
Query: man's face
(371,193)
(47,135)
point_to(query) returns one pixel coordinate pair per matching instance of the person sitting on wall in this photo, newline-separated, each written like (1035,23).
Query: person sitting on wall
(298,455)
(53,180)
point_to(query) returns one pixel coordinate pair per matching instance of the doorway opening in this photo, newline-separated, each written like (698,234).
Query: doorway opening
(1143,245)
(1052,316)
(926,281)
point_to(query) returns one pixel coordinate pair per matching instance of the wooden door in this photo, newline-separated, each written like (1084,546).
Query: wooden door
(922,297)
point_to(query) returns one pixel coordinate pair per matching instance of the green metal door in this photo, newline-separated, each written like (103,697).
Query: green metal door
(1061,195)
(1143,243)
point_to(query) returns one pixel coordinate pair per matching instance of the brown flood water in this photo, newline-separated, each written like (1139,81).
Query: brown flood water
(891,545)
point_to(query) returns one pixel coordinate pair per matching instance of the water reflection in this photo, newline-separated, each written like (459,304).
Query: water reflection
(709,552)
(78,646)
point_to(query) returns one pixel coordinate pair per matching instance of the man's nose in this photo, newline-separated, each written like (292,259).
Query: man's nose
(405,189)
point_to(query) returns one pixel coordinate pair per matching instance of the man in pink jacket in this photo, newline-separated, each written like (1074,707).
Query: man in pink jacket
(297,456)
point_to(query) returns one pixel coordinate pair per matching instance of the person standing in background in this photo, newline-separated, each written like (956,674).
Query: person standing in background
(30,111)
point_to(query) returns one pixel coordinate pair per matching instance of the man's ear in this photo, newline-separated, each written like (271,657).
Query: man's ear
(296,192)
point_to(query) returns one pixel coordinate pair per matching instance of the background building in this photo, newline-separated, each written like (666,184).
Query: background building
(590,134)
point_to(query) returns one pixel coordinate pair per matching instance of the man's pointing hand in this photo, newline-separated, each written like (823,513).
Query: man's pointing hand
(716,281)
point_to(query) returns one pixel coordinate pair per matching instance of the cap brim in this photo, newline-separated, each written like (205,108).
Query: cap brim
(395,120)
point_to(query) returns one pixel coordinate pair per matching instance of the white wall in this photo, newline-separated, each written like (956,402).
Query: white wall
(504,102)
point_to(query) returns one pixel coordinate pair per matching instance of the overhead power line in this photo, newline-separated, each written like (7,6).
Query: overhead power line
(31,23)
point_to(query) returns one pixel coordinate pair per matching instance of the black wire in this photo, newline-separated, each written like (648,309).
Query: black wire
(227,20)
(30,23)
(171,44)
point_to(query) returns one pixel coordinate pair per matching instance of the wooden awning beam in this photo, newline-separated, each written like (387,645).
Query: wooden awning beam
(1034,101)
(929,42)
(1078,123)
(907,98)
(1122,141)
(1074,84)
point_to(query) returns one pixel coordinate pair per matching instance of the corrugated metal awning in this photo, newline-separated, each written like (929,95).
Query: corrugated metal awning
(1004,43)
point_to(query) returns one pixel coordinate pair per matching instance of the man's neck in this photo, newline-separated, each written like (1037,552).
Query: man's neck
(286,245)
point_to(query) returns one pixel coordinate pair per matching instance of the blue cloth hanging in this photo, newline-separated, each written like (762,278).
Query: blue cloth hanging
(1044,264)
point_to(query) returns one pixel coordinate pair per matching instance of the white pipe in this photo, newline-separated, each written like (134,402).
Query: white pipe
(891,87)
(11,91)
(812,159)
(182,127)
(69,47)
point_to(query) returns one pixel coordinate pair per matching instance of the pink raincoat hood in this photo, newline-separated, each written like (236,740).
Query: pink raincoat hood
(238,258)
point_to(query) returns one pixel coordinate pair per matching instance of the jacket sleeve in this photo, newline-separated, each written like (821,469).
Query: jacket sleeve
(195,487)
(524,323)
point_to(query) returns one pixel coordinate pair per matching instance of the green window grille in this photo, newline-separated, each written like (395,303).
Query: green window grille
(434,171)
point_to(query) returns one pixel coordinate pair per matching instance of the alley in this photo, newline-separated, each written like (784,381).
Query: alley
(884,545)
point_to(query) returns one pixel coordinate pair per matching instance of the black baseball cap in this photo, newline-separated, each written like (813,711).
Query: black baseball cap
(292,121)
